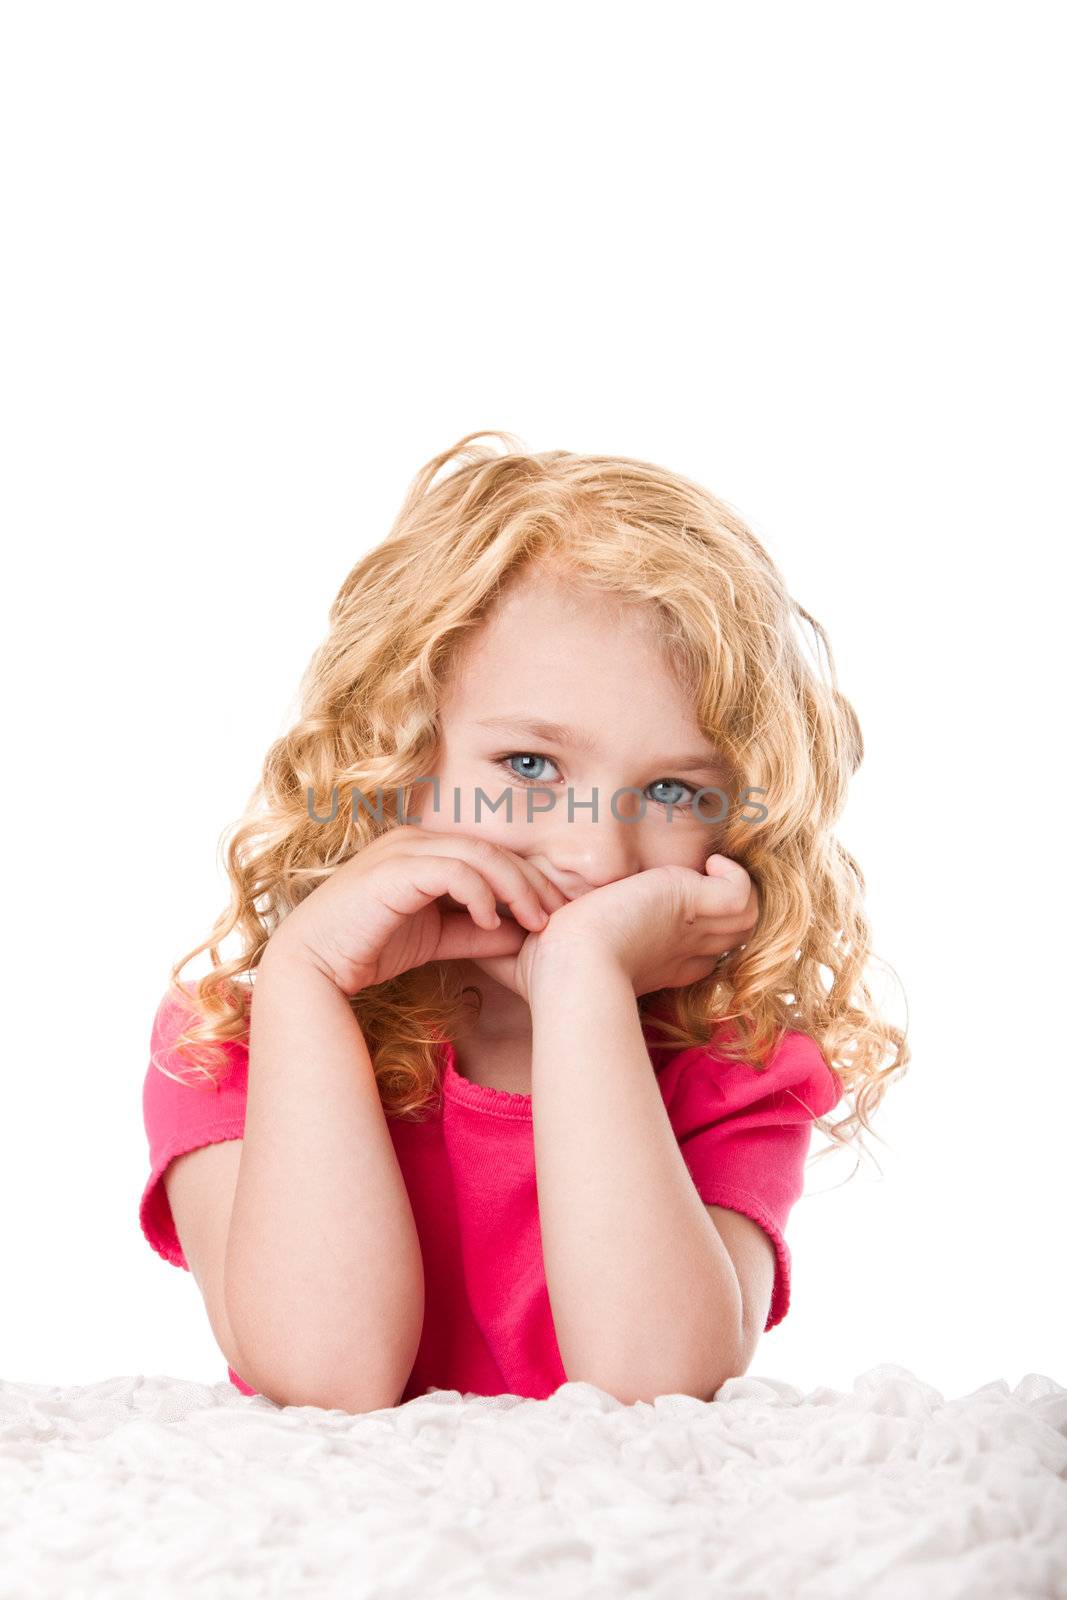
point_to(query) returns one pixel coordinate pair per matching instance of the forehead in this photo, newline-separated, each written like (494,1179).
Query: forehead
(541,614)
(562,650)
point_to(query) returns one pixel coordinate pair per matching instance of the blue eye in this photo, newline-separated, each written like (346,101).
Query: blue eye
(530,778)
(524,755)
(672,783)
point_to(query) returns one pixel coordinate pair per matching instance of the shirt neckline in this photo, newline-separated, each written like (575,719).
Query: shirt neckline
(480,1096)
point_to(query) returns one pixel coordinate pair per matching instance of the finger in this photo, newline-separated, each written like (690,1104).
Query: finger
(518,887)
(723,923)
(552,898)
(531,889)
(736,889)
(462,940)
(450,878)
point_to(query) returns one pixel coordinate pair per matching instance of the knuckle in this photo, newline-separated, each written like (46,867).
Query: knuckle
(485,850)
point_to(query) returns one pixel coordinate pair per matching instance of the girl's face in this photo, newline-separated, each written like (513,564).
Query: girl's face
(591,667)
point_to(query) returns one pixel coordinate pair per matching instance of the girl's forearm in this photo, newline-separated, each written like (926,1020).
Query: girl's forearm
(324,1278)
(644,1296)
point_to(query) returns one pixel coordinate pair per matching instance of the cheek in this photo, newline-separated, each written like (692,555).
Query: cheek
(677,844)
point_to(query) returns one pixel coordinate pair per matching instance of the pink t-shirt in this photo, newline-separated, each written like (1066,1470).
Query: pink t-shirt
(487,1329)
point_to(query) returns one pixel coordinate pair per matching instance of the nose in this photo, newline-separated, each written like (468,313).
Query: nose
(587,854)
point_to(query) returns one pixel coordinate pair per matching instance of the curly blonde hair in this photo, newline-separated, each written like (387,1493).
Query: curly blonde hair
(369,702)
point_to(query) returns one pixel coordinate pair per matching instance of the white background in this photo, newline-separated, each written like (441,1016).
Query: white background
(261,262)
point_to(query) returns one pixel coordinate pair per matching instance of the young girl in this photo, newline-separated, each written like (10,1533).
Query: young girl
(536,896)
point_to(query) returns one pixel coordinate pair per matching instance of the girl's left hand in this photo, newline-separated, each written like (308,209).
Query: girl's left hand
(666,927)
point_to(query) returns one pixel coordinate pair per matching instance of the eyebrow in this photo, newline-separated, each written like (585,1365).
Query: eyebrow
(577,739)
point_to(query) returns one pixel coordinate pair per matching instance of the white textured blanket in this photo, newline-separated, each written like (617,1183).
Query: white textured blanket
(152,1487)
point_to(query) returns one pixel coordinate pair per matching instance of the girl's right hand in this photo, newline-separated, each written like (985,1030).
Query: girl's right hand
(377,914)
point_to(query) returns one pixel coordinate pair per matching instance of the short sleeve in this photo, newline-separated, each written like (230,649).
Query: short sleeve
(182,1116)
(745,1134)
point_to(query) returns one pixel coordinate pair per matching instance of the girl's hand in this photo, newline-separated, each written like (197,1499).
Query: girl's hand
(378,913)
(666,927)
